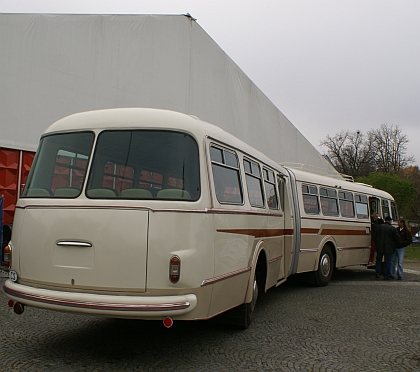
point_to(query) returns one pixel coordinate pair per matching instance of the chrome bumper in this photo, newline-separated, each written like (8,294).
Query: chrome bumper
(156,307)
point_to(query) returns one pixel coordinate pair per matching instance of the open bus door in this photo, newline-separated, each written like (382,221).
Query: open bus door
(374,207)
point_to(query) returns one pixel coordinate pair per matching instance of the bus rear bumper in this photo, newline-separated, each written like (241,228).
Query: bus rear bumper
(140,307)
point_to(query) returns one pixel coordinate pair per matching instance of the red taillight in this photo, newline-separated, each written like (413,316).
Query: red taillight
(10,303)
(174,269)
(168,322)
(7,256)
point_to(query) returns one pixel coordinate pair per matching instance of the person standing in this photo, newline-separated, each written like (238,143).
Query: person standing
(398,256)
(387,241)
(375,222)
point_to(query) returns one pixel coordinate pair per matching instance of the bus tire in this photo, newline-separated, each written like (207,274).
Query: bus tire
(241,316)
(325,267)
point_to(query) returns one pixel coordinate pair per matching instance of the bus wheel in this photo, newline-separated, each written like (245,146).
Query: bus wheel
(325,267)
(241,316)
(249,307)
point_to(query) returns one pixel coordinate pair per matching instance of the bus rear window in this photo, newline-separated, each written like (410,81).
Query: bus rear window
(144,164)
(59,167)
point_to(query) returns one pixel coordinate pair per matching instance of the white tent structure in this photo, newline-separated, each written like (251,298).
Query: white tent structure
(54,65)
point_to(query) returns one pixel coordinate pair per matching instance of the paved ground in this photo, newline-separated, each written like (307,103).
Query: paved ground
(356,323)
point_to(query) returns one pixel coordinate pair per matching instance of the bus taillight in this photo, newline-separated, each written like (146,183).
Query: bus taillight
(174,269)
(7,256)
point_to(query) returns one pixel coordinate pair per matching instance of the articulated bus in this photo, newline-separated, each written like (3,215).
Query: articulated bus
(153,214)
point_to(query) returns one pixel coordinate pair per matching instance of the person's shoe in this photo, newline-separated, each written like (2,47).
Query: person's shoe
(376,276)
(399,278)
(391,277)
(387,278)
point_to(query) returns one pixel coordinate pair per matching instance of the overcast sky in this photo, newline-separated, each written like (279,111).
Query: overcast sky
(328,65)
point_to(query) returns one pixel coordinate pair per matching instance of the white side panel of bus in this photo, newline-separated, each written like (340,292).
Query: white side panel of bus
(93,248)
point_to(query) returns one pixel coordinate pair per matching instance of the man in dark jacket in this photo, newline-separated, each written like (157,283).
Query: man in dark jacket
(387,241)
(375,221)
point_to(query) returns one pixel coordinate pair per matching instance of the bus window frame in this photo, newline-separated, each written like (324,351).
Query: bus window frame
(328,198)
(273,183)
(311,197)
(259,178)
(95,166)
(356,202)
(395,216)
(344,201)
(213,163)
(383,203)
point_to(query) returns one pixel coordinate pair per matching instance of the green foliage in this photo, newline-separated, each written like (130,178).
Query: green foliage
(413,251)
(401,189)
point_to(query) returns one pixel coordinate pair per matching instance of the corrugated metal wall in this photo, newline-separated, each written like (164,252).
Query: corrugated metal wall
(14,169)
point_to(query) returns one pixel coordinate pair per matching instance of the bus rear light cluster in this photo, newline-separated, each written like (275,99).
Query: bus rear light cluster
(174,269)
(7,256)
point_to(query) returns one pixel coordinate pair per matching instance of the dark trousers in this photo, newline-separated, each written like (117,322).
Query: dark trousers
(378,266)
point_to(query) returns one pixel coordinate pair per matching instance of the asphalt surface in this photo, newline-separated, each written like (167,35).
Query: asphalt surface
(356,323)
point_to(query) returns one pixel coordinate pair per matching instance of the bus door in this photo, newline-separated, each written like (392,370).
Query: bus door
(292,223)
(374,207)
(284,254)
(374,204)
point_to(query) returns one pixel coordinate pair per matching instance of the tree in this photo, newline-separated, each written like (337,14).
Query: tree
(350,153)
(403,190)
(381,150)
(390,148)
(412,173)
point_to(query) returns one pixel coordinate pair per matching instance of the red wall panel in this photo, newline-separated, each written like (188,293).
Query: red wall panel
(10,169)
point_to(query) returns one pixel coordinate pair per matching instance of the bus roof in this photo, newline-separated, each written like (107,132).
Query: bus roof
(150,118)
(338,183)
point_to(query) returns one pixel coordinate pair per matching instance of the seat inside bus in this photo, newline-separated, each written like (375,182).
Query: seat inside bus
(173,194)
(136,193)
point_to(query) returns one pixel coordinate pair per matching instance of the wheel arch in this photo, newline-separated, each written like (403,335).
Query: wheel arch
(259,267)
(327,241)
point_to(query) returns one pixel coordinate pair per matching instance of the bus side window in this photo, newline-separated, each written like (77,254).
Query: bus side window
(346,203)
(310,199)
(254,183)
(329,204)
(385,209)
(227,182)
(394,211)
(270,189)
(362,206)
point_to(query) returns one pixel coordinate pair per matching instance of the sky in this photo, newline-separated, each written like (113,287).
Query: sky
(328,65)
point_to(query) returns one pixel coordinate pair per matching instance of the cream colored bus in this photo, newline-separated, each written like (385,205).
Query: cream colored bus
(153,214)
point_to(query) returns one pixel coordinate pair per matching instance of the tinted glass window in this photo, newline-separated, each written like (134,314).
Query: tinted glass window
(270,189)
(362,209)
(227,182)
(394,211)
(59,167)
(145,164)
(310,199)
(329,204)
(346,204)
(254,184)
(385,209)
